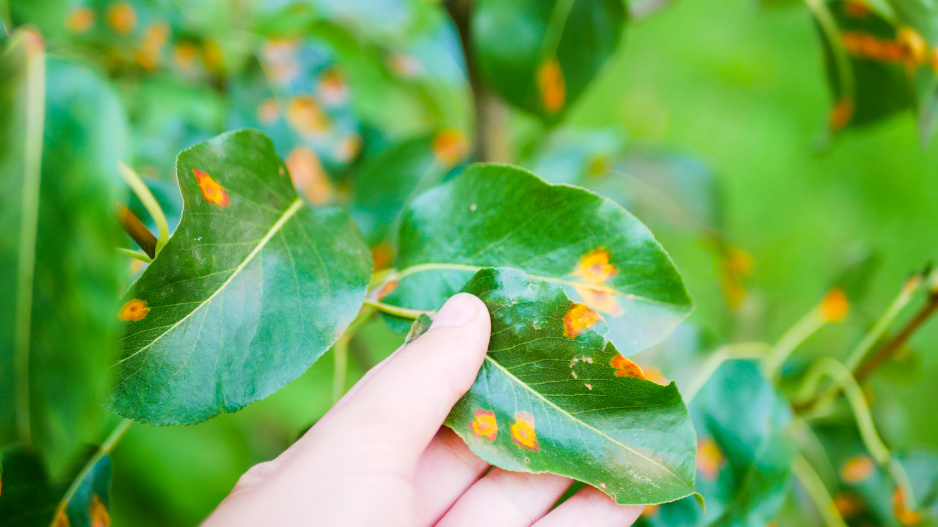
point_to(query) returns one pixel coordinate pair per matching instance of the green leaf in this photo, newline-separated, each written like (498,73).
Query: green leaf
(31,498)
(744,452)
(502,216)
(554,396)
(540,55)
(57,326)
(252,288)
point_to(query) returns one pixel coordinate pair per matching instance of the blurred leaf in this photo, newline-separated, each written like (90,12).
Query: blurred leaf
(252,288)
(744,452)
(540,55)
(575,157)
(389,178)
(58,311)
(502,216)
(554,396)
(31,499)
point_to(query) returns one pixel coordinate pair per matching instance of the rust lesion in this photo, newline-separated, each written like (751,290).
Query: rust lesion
(212,191)
(522,432)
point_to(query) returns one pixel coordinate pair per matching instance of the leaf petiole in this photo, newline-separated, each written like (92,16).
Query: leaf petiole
(397,311)
(794,337)
(143,193)
(818,493)
(136,255)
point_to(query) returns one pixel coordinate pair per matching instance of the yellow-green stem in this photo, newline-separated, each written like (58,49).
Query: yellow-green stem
(814,487)
(136,255)
(397,311)
(143,193)
(794,337)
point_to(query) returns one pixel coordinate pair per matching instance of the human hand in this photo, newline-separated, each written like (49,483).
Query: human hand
(381,458)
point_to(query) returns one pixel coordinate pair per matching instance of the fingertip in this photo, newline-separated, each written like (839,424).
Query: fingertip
(461,310)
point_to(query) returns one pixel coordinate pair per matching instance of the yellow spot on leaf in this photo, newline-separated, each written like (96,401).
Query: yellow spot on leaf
(709,458)
(213,56)
(737,266)
(80,20)
(211,190)
(484,425)
(99,514)
(153,41)
(593,270)
(450,146)
(841,114)
(332,87)
(308,175)
(122,17)
(856,8)
(654,375)
(578,318)
(349,147)
(857,469)
(626,368)
(848,505)
(651,510)
(834,306)
(551,85)
(133,310)
(913,46)
(185,55)
(305,115)
(522,431)
(901,509)
(382,255)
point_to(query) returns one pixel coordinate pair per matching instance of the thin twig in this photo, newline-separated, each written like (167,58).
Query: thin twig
(901,338)
(137,230)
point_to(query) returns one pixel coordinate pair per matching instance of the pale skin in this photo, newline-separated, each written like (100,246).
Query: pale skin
(382,457)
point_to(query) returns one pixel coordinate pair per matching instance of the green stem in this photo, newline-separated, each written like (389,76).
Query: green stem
(340,370)
(143,193)
(106,448)
(902,299)
(137,255)
(35,108)
(835,40)
(793,338)
(818,493)
(750,350)
(397,311)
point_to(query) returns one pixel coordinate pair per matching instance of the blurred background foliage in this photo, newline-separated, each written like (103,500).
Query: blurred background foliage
(715,113)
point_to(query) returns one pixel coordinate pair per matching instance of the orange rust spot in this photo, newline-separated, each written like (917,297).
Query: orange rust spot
(450,146)
(153,40)
(709,458)
(213,56)
(600,300)
(99,514)
(856,9)
(654,375)
(484,425)
(737,265)
(80,20)
(332,87)
(848,505)
(651,510)
(61,518)
(594,267)
(382,255)
(551,84)
(279,49)
(914,48)
(305,115)
(522,431)
(857,469)
(122,17)
(268,112)
(901,509)
(213,192)
(133,310)
(404,66)
(308,175)
(578,318)
(349,147)
(387,289)
(185,55)
(841,114)
(626,368)
(834,306)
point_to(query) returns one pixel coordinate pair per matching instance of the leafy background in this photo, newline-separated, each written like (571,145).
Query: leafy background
(739,84)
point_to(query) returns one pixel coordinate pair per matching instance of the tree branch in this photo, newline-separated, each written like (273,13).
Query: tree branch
(901,338)
(137,230)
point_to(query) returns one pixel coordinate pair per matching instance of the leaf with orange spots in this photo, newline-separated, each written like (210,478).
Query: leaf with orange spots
(559,405)
(59,280)
(744,452)
(502,216)
(244,297)
(540,55)
(31,497)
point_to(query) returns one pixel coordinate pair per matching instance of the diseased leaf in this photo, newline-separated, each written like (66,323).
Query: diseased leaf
(252,288)
(31,498)
(744,452)
(554,396)
(61,276)
(502,216)
(540,55)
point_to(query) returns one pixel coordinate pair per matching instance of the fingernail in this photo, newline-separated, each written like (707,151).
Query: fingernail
(457,311)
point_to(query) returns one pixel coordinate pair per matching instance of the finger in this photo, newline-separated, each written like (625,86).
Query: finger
(591,507)
(445,470)
(506,499)
(397,410)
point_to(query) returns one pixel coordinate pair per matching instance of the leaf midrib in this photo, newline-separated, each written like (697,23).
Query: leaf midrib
(274,229)
(581,422)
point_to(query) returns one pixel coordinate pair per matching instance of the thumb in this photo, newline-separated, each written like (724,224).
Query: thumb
(403,403)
